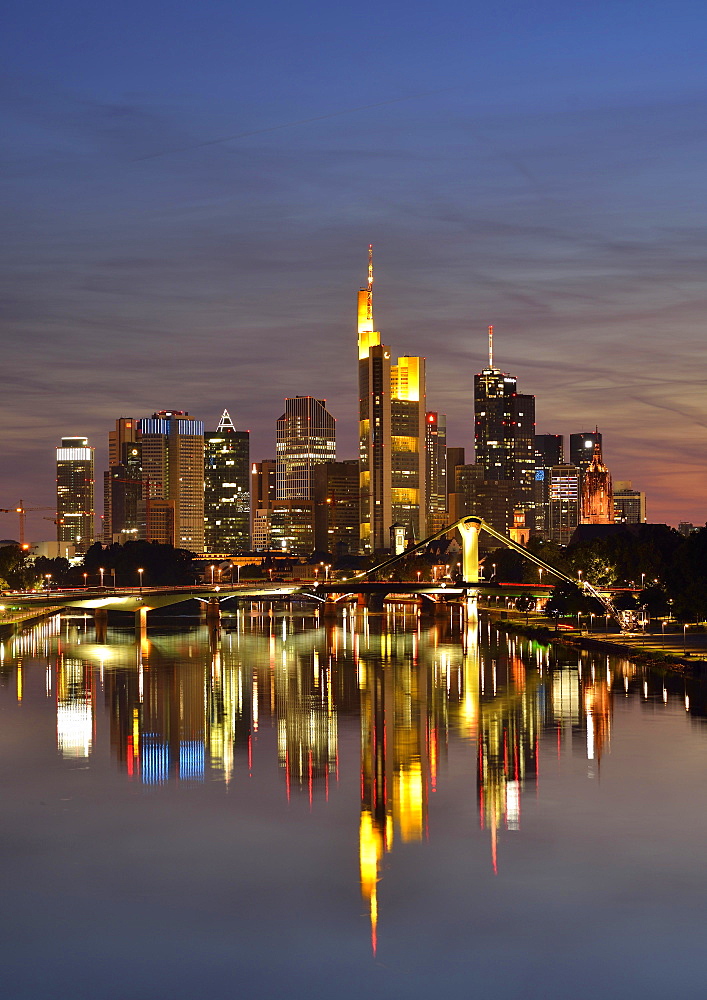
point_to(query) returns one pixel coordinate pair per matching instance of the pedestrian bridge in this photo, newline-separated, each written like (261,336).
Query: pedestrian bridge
(368,592)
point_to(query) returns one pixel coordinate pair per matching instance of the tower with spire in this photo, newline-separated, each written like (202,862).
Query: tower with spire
(226,489)
(597,492)
(504,435)
(391,412)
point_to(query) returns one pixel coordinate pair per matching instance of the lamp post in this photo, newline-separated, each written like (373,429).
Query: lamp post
(684,640)
(212,575)
(85,581)
(139,573)
(48,578)
(579,574)
(101,570)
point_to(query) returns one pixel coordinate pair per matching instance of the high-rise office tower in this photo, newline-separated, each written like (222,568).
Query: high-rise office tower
(436,451)
(173,471)
(504,432)
(408,503)
(582,448)
(629,504)
(336,508)
(455,509)
(597,493)
(549,451)
(306,438)
(74,492)
(123,496)
(262,501)
(226,489)
(564,502)
(122,483)
(391,433)
(374,460)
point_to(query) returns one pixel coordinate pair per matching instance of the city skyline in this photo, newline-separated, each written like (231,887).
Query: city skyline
(188,203)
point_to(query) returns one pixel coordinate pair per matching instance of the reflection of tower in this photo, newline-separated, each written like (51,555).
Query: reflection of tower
(507,744)
(597,705)
(306,721)
(228,714)
(74,712)
(394,760)
(172,732)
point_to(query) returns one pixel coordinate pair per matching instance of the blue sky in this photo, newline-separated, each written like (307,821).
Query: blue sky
(189,191)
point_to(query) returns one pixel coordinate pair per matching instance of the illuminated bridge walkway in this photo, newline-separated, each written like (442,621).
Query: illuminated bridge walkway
(367,592)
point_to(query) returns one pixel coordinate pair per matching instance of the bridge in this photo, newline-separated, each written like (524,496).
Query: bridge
(369,593)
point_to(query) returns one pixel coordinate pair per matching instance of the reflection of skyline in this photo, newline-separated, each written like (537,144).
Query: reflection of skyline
(181,708)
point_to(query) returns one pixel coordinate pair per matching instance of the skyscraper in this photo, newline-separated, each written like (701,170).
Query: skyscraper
(582,448)
(408,479)
(392,466)
(173,471)
(122,483)
(336,508)
(226,489)
(262,501)
(504,432)
(374,459)
(564,502)
(306,438)
(549,451)
(436,452)
(74,492)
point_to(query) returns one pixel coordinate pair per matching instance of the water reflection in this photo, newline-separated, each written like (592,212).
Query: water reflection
(189,706)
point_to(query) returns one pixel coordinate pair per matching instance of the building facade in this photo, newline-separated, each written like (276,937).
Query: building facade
(564,502)
(75,492)
(226,489)
(582,447)
(436,458)
(306,437)
(629,504)
(173,472)
(504,434)
(262,501)
(336,508)
(408,477)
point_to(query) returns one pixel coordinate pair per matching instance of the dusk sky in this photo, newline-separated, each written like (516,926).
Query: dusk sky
(190,190)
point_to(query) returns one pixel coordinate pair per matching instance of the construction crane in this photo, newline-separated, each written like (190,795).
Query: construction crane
(22,511)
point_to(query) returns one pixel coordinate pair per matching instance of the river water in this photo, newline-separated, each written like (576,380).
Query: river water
(378,806)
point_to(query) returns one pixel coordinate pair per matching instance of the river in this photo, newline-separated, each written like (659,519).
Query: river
(381,807)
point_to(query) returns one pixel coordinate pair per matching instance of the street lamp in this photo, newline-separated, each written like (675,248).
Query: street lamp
(48,578)
(85,581)
(643,580)
(419,574)
(139,573)
(212,575)
(684,639)
(101,570)
(579,574)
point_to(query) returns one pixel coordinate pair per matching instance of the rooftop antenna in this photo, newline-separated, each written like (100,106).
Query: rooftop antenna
(490,347)
(369,301)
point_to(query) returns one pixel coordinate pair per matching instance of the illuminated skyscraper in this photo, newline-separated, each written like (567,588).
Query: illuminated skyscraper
(262,501)
(122,483)
(582,448)
(564,502)
(374,459)
(306,438)
(391,434)
(504,433)
(226,489)
(74,492)
(173,470)
(436,450)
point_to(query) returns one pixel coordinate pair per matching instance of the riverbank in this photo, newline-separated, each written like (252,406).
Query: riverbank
(12,622)
(680,650)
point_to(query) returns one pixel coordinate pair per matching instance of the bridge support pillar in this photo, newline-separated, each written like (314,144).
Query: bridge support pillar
(329,608)
(470,606)
(469,529)
(141,621)
(100,621)
(213,611)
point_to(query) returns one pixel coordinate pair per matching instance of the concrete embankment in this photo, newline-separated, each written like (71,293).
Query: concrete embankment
(682,649)
(12,622)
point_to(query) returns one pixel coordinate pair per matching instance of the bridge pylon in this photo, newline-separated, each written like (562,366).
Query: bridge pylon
(469,529)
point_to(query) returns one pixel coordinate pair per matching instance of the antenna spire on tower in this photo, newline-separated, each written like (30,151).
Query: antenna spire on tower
(490,347)
(369,301)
